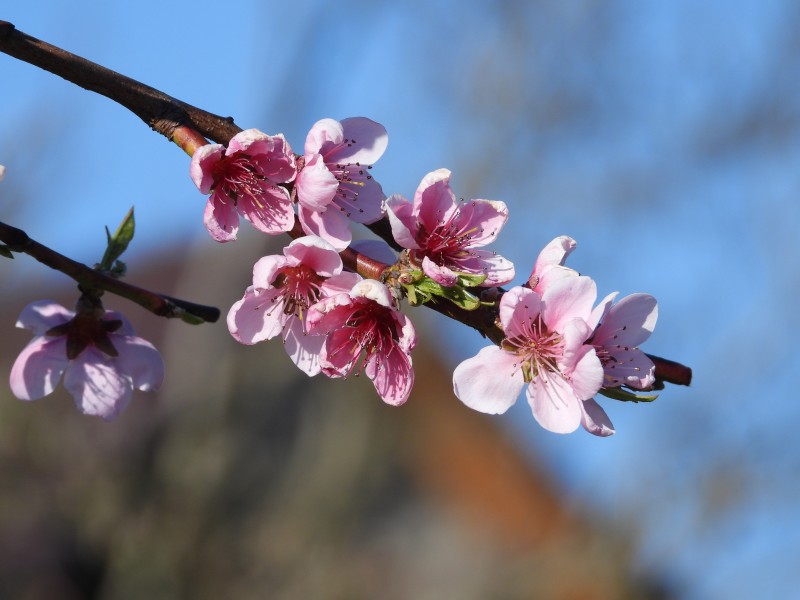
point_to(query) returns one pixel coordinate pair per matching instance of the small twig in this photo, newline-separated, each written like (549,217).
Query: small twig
(164,306)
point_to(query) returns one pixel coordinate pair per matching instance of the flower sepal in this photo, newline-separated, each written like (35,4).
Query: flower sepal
(617,393)
(420,289)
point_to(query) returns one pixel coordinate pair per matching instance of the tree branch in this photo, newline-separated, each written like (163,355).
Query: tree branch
(159,304)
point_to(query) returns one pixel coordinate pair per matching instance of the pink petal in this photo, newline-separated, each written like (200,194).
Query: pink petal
(587,376)
(555,253)
(221,220)
(140,361)
(485,217)
(489,382)
(518,308)
(392,375)
(339,353)
(43,315)
(550,275)
(567,299)
(599,311)
(39,367)
(368,141)
(403,221)
(316,253)
(340,284)
(629,366)
(406,334)
(271,213)
(373,290)
(554,403)
(303,349)
(96,385)
(201,168)
(434,201)
(251,141)
(440,274)
(265,270)
(498,270)
(316,185)
(629,322)
(361,201)
(331,225)
(595,420)
(323,133)
(257,317)
(329,314)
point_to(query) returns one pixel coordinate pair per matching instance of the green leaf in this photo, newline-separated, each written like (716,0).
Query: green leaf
(6,251)
(626,396)
(117,244)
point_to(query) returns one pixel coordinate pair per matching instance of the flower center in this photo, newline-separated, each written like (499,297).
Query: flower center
(537,348)
(301,288)
(237,175)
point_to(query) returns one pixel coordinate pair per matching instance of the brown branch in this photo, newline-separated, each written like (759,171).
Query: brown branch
(164,306)
(161,112)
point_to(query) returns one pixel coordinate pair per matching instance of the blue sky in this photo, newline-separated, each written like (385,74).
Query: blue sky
(662,135)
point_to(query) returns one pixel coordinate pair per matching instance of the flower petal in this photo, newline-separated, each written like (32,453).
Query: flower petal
(314,252)
(316,185)
(628,366)
(554,403)
(367,141)
(324,132)
(555,253)
(629,322)
(391,374)
(96,385)
(39,367)
(434,201)
(489,382)
(498,270)
(201,169)
(303,349)
(587,375)
(221,219)
(271,212)
(440,274)
(257,317)
(361,199)
(140,361)
(484,218)
(403,221)
(567,299)
(595,420)
(43,315)
(331,225)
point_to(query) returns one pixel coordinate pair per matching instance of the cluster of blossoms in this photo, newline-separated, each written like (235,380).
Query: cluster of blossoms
(557,343)
(562,347)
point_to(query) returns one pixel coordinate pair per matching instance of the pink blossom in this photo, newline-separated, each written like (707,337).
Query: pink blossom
(100,358)
(365,321)
(546,349)
(283,289)
(334,186)
(242,180)
(622,328)
(549,264)
(444,235)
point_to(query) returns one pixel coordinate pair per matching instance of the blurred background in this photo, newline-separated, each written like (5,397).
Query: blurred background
(664,136)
